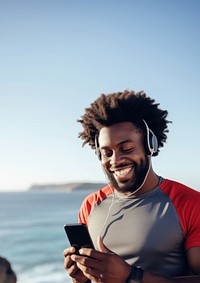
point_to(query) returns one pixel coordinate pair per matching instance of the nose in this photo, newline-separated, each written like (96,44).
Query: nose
(116,158)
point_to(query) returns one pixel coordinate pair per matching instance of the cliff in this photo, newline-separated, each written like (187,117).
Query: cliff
(69,187)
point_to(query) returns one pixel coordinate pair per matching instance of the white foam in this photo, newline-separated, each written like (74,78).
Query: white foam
(46,273)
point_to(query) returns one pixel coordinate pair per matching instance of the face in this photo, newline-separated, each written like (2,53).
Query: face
(123,156)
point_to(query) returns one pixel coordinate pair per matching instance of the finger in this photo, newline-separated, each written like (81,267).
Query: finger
(76,273)
(93,274)
(101,246)
(73,269)
(91,253)
(99,255)
(69,251)
(87,262)
(91,268)
(68,262)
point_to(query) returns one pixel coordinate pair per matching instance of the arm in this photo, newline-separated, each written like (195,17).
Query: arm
(154,278)
(193,257)
(107,267)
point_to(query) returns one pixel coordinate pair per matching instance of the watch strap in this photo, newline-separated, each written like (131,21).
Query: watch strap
(136,275)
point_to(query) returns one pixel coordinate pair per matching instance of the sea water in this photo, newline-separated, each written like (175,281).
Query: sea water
(32,236)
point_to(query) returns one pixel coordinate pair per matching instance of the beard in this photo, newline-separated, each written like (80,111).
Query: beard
(133,184)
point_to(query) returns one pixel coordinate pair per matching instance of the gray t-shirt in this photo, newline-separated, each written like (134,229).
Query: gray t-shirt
(151,230)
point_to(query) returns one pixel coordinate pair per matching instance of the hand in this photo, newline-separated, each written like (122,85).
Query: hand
(102,266)
(71,267)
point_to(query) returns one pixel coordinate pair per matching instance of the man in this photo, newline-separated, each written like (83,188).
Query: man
(145,228)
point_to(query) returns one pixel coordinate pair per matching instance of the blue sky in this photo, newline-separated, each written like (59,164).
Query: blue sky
(58,56)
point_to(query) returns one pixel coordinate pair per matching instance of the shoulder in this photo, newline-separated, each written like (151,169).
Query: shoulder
(178,192)
(187,204)
(91,200)
(95,197)
(185,199)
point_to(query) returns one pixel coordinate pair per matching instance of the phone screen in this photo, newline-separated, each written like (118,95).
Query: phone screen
(78,235)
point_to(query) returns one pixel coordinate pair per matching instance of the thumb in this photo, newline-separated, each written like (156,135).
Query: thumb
(102,248)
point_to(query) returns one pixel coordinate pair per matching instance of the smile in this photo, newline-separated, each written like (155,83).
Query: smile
(123,172)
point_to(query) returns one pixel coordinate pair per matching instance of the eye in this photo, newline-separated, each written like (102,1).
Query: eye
(127,149)
(106,153)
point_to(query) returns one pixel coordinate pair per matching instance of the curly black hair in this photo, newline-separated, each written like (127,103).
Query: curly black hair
(123,107)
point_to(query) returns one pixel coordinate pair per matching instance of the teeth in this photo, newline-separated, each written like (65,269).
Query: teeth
(123,172)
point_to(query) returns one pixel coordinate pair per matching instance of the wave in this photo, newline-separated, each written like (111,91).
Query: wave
(45,273)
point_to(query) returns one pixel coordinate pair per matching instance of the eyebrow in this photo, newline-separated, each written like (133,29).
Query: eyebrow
(121,143)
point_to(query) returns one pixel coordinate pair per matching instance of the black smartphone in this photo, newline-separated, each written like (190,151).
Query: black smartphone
(78,236)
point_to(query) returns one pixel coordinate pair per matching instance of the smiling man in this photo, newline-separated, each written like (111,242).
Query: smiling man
(123,139)
(145,228)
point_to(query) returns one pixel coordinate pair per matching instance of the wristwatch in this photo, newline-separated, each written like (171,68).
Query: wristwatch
(136,275)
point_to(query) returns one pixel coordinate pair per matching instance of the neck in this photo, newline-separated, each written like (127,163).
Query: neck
(151,182)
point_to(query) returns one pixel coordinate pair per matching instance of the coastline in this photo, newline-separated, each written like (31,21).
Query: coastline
(68,187)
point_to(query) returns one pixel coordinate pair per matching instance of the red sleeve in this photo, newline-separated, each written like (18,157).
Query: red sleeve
(90,201)
(187,204)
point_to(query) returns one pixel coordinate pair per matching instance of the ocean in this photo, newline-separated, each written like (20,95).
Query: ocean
(32,236)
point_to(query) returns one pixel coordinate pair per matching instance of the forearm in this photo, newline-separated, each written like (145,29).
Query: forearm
(149,277)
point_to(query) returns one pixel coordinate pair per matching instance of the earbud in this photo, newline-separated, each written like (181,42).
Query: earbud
(151,141)
(97,151)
